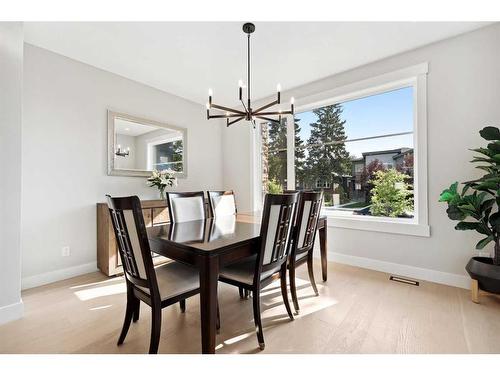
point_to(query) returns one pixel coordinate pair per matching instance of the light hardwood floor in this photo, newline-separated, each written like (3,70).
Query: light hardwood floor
(358,311)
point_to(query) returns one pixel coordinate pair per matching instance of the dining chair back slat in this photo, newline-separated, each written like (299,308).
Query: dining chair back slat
(276,228)
(308,213)
(133,245)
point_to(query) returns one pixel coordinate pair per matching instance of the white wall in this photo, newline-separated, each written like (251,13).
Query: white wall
(463,96)
(11,76)
(65,156)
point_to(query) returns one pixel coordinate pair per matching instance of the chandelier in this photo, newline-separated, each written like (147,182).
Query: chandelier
(232,115)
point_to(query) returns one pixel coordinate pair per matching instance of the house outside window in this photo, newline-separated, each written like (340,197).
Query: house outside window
(350,147)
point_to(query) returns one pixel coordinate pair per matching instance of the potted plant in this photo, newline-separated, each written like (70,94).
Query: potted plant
(162,179)
(476,207)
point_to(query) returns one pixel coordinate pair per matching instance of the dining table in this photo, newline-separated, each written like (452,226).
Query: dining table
(210,244)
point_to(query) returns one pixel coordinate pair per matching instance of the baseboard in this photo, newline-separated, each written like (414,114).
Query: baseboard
(460,281)
(11,312)
(57,275)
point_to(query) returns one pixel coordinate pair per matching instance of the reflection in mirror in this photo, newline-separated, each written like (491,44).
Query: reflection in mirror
(138,146)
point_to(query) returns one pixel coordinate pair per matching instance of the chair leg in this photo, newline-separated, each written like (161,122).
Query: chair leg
(182,304)
(247,294)
(293,287)
(137,310)
(155,329)
(311,272)
(284,291)
(129,313)
(218,318)
(242,295)
(257,318)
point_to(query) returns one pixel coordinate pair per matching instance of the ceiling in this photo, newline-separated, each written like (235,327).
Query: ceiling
(131,128)
(187,58)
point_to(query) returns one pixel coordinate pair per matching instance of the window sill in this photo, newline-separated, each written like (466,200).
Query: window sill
(377,224)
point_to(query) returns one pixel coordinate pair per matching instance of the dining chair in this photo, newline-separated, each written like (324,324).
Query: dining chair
(186,206)
(157,287)
(270,262)
(302,245)
(221,203)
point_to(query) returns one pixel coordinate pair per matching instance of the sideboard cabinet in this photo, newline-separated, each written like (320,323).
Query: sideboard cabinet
(108,260)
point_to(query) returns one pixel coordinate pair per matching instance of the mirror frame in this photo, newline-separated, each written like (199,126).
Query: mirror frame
(112,171)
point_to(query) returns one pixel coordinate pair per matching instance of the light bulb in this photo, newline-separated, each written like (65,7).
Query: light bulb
(227,114)
(119,147)
(278,87)
(240,83)
(292,100)
(210,92)
(208,106)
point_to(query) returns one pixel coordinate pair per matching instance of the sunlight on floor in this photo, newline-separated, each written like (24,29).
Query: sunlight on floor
(102,291)
(107,281)
(100,307)
(273,310)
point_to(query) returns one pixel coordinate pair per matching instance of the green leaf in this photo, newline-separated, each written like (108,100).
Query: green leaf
(495,221)
(485,241)
(484,151)
(489,169)
(496,157)
(494,147)
(490,133)
(454,213)
(465,225)
(478,158)
(487,204)
(485,186)
(449,194)
(466,187)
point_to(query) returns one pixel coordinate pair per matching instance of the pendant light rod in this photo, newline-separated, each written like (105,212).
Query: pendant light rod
(249,109)
(248,113)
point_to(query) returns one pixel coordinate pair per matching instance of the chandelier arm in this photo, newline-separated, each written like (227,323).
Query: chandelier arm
(224,116)
(222,108)
(266,106)
(268,119)
(244,106)
(274,113)
(234,121)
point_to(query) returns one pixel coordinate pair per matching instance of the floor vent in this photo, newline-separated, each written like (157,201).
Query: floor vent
(404,281)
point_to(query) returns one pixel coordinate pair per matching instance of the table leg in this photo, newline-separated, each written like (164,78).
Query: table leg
(209,275)
(323,249)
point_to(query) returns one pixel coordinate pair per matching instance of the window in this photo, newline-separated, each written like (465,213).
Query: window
(274,157)
(167,155)
(359,147)
(355,144)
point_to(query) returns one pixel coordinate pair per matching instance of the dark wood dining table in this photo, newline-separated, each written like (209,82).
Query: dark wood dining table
(209,245)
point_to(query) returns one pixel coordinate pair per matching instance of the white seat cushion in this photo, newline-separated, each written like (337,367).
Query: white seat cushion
(175,278)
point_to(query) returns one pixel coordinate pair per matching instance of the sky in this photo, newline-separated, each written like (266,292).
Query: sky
(386,113)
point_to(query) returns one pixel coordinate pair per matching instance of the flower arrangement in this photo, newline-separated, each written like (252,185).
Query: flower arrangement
(162,179)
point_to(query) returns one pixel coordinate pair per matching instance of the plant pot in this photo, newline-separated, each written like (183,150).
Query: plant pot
(485,272)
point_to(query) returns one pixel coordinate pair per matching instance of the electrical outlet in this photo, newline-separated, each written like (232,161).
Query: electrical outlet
(65,251)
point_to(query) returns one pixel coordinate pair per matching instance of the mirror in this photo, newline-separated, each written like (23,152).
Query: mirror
(136,146)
